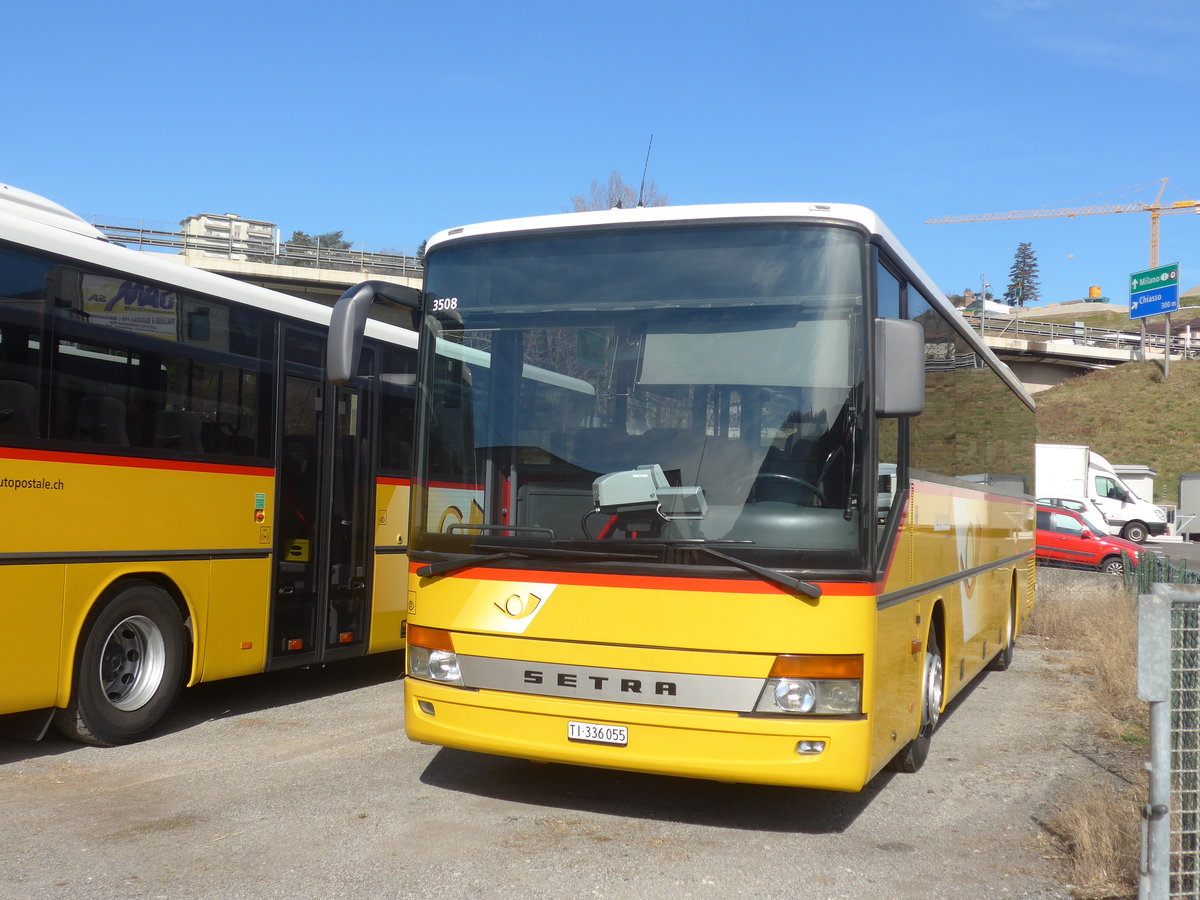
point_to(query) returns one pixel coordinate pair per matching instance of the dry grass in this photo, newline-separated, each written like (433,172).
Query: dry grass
(1101,830)
(1093,619)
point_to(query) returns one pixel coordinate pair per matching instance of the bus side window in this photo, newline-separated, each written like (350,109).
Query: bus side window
(887,299)
(101,420)
(18,408)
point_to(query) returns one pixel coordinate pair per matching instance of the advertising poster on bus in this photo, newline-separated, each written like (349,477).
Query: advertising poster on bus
(131,306)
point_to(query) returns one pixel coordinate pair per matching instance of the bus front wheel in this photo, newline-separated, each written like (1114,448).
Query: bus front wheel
(129,668)
(933,684)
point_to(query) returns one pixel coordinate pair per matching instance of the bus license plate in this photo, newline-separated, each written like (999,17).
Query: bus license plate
(591,733)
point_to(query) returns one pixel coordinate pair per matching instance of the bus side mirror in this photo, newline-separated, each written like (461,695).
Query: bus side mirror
(899,368)
(350,319)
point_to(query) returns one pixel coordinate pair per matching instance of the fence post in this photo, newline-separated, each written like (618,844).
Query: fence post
(1154,687)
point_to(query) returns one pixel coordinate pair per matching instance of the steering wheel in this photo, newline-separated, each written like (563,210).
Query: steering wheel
(784,480)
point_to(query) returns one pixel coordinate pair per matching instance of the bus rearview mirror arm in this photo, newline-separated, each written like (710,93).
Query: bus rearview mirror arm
(350,319)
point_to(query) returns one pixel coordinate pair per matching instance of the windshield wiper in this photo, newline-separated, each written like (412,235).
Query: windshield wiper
(565,552)
(787,581)
(706,546)
(462,562)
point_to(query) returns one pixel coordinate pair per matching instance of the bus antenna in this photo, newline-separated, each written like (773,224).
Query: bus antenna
(645,166)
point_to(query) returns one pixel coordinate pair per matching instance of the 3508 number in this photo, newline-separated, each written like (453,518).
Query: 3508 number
(444,303)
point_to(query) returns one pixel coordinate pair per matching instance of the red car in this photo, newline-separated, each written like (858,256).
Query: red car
(1067,538)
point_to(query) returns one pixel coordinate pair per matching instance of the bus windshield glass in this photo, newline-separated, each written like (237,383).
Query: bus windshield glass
(648,390)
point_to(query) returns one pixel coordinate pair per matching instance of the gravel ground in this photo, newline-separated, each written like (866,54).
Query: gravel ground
(302,784)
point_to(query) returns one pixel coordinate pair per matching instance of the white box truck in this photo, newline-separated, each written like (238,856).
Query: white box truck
(1074,470)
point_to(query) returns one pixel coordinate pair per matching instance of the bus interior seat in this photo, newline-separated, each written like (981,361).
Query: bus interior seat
(101,420)
(298,457)
(18,408)
(789,525)
(559,507)
(178,429)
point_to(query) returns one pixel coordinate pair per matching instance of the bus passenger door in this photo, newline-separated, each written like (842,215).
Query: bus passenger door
(350,525)
(325,483)
(299,508)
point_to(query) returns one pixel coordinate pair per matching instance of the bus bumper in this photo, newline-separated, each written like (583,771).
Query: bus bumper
(689,743)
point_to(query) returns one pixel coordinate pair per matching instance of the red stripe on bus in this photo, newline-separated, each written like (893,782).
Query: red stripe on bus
(132,462)
(659,582)
(393,481)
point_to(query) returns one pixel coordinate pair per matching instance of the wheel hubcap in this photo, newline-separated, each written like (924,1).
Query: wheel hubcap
(132,663)
(933,690)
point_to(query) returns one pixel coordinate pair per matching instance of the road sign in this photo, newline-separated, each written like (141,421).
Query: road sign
(1154,291)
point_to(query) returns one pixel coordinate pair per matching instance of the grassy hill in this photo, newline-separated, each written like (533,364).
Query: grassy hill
(1131,416)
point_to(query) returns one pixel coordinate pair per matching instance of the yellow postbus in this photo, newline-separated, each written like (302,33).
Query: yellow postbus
(184,496)
(787,522)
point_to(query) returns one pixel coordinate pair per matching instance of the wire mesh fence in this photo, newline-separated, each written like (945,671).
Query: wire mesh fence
(1169,679)
(1185,746)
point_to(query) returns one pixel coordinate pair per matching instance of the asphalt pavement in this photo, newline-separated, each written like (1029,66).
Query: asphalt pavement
(302,784)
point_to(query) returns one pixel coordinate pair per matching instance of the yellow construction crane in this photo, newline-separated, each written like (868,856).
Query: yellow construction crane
(1155,209)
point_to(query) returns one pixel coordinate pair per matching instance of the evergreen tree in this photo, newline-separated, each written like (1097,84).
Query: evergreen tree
(1023,277)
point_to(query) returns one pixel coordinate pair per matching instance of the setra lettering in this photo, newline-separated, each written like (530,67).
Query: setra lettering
(600,683)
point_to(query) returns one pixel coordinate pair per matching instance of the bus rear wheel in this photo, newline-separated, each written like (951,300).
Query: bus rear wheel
(128,670)
(1002,660)
(933,685)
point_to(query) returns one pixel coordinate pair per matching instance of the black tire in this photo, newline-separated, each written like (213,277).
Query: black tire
(1112,565)
(1136,532)
(933,687)
(128,669)
(1002,660)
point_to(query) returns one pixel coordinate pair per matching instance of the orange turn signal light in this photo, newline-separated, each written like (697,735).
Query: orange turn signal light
(809,665)
(295,644)
(430,638)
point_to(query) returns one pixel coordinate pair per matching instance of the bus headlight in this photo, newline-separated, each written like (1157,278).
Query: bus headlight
(794,696)
(817,697)
(431,656)
(434,665)
(818,685)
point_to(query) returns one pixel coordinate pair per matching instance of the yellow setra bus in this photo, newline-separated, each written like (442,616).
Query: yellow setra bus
(787,520)
(184,496)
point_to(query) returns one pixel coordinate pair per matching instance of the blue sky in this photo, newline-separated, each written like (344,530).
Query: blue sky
(390,121)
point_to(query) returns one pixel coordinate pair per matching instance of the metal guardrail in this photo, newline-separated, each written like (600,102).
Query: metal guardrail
(261,250)
(1067,332)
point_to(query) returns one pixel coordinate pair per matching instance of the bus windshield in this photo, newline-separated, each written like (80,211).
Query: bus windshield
(665,386)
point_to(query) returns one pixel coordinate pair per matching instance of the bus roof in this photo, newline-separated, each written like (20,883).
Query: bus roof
(33,221)
(648,215)
(35,207)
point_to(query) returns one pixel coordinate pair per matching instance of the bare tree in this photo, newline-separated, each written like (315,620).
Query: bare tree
(617,194)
